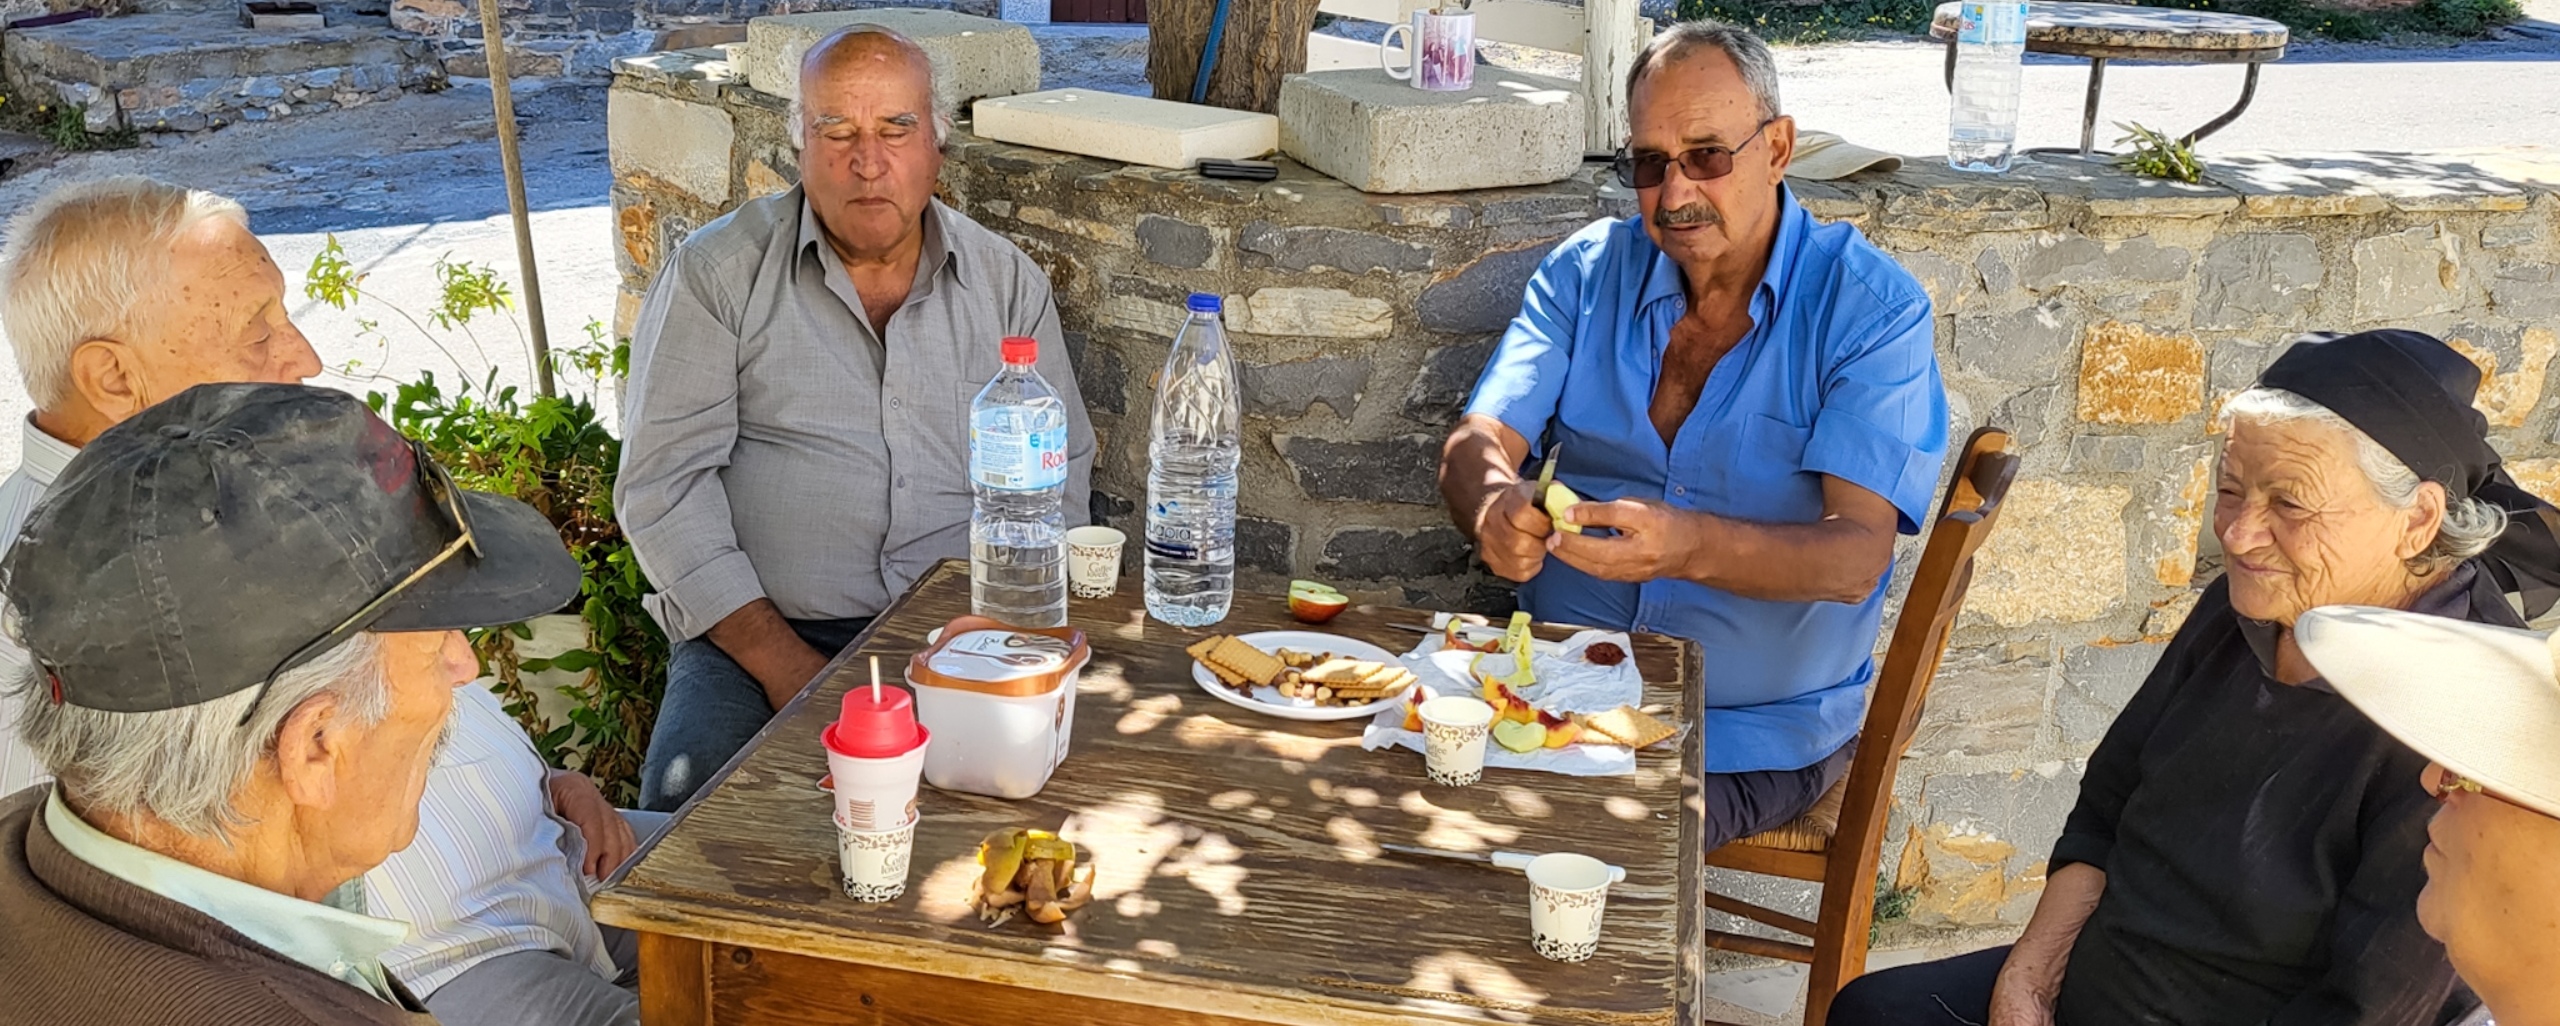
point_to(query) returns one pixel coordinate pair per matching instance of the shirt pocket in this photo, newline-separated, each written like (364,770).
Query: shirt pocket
(1771,484)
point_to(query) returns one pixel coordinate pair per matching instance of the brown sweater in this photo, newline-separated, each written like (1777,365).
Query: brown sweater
(79,947)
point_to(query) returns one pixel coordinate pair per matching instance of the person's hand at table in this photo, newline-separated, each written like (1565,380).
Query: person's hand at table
(1512,532)
(1652,541)
(609,836)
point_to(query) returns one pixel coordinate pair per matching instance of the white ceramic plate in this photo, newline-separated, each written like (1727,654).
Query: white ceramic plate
(1269,700)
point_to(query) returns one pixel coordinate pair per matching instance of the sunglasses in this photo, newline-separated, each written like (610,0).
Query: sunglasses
(1703,164)
(448,497)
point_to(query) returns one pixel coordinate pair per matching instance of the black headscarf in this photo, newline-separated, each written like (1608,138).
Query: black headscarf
(2412,393)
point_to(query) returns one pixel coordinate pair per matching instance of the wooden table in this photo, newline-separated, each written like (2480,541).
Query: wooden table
(2102,32)
(1240,879)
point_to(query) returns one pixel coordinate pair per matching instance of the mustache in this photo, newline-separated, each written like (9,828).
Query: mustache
(1684,216)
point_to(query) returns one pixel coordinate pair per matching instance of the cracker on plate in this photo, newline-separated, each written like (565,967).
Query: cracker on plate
(1626,725)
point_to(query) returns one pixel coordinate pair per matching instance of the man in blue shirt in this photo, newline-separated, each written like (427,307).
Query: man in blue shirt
(1750,403)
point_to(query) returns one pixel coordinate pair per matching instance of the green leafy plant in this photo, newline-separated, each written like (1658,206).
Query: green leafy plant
(1891,904)
(2155,155)
(2459,19)
(555,454)
(1781,22)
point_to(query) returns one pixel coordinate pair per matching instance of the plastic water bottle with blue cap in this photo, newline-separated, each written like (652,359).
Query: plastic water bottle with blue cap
(1191,475)
(1982,124)
(1018,477)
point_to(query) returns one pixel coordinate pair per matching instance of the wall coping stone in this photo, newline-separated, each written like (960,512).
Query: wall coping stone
(1923,195)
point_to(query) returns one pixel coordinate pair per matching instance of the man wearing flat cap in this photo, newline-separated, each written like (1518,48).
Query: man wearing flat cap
(244,610)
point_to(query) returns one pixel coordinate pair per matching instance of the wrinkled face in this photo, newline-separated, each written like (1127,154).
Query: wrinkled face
(2493,894)
(382,772)
(867,161)
(2302,527)
(1697,98)
(220,319)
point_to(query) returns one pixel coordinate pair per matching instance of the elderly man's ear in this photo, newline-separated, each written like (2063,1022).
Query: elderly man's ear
(1782,144)
(109,377)
(310,747)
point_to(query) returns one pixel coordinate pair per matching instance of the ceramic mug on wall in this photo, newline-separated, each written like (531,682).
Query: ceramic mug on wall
(1440,51)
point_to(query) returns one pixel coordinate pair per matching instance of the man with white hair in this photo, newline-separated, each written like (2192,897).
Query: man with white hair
(244,607)
(119,293)
(796,445)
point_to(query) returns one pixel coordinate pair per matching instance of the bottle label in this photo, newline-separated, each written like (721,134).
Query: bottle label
(1992,23)
(1003,458)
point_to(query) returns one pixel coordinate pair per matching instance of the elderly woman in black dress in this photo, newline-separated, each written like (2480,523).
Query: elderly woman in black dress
(2247,846)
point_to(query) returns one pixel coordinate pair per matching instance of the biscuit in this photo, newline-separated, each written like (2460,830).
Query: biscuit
(1625,725)
(1256,665)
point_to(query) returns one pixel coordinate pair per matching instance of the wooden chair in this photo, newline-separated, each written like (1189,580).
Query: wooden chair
(1837,842)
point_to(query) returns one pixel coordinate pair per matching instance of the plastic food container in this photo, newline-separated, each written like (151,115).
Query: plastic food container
(1000,702)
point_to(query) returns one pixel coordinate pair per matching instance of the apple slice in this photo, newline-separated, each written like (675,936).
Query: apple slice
(1520,737)
(1311,602)
(1559,499)
(1413,711)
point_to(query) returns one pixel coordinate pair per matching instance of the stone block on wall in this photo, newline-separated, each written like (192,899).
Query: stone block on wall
(1377,134)
(685,145)
(2132,375)
(973,57)
(2058,554)
(2257,275)
(1129,129)
(2407,274)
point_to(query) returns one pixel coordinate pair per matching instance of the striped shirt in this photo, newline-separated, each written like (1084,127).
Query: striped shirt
(494,870)
(41,458)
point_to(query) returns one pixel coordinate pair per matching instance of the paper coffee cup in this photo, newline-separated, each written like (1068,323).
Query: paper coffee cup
(872,794)
(1568,893)
(874,862)
(1454,728)
(1093,561)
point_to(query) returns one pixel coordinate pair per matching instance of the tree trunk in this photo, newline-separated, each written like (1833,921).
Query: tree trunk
(1265,40)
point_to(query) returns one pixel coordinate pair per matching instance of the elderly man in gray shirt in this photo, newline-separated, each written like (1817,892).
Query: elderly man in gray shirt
(796,447)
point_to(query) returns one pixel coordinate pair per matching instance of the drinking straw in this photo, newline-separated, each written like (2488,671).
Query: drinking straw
(875,682)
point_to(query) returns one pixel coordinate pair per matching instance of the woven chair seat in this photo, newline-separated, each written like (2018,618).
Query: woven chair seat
(1811,832)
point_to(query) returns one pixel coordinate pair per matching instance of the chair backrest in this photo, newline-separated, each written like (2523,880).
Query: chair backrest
(1965,519)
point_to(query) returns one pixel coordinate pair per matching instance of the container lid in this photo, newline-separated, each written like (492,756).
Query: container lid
(992,658)
(884,729)
(1203,302)
(1020,350)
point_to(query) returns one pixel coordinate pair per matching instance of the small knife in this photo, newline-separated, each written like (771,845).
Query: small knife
(1546,475)
(1512,860)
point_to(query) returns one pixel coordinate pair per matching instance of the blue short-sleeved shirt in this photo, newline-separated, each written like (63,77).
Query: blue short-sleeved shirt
(1838,376)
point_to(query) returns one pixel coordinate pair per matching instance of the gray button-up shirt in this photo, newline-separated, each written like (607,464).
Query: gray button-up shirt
(775,447)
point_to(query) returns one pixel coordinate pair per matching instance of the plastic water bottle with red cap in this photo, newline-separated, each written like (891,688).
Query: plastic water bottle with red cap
(1018,472)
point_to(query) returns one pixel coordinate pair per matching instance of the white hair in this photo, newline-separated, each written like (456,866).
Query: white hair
(1749,54)
(186,766)
(798,121)
(2470,525)
(79,262)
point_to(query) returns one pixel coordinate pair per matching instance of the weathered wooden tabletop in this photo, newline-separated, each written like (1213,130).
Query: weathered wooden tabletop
(1239,868)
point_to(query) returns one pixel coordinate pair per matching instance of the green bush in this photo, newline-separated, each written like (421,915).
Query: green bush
(552,453)
(1851,19)
(1817,23)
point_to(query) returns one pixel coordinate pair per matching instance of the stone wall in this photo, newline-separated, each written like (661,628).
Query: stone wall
(2099,317)
(550,38)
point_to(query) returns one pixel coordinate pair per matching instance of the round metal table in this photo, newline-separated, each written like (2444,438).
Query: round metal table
(2103,32)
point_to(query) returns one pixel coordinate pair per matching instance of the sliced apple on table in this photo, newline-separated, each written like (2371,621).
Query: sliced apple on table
(1413,711)
(1312,602)
(1559,499)
(1520,737)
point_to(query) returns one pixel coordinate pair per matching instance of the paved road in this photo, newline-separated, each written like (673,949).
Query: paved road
(405,183)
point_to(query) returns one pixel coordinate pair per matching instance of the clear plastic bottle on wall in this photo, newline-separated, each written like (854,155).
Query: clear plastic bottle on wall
(1982,121)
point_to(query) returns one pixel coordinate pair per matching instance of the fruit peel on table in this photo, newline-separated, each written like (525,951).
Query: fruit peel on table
(1316,602)
(1033,873)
